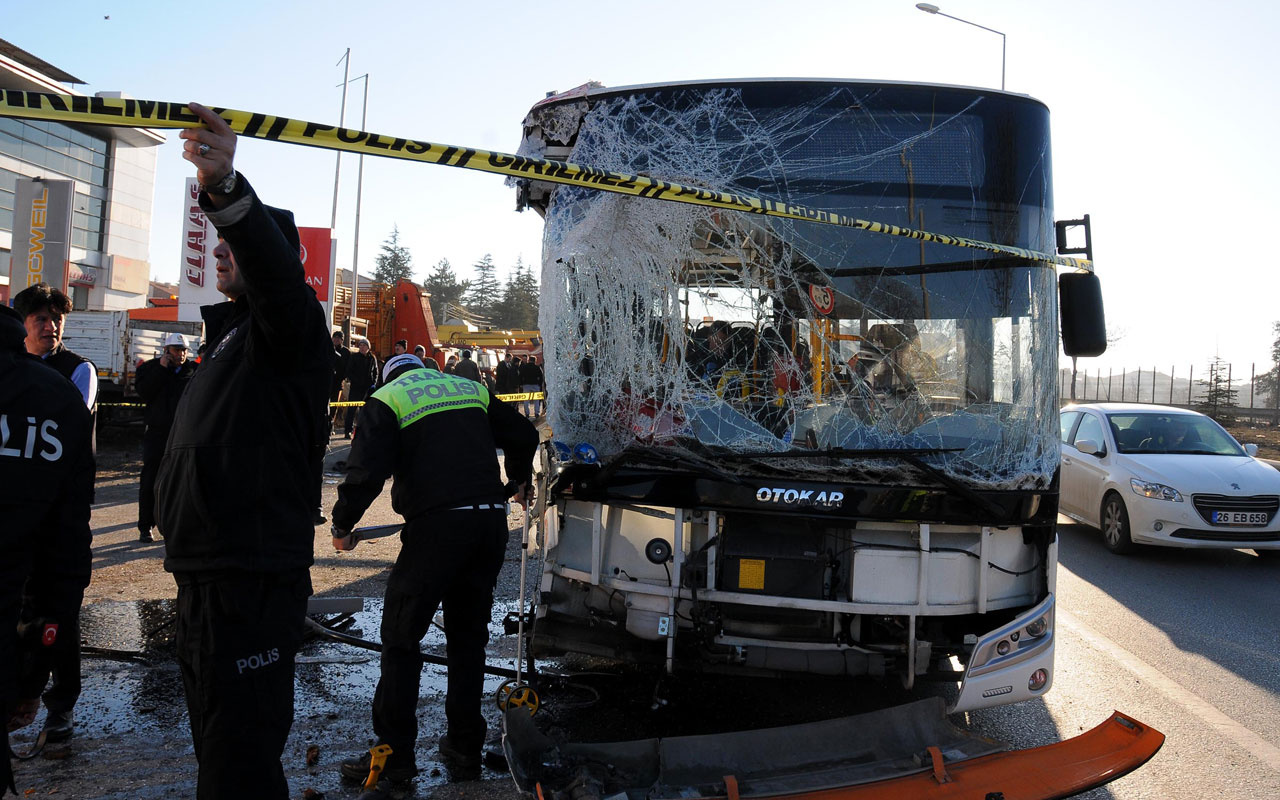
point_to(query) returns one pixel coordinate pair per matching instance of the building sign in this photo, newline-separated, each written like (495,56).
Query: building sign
(41,233)
(82,275)
(317,250)
(198,278)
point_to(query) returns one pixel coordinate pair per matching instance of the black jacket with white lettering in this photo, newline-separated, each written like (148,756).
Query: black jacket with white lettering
(235,487)
(46,472)
(440,461)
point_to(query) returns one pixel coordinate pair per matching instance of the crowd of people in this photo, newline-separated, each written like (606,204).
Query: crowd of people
(232,453)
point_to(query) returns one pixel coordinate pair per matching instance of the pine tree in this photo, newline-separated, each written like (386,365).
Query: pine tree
(484,293)
(518,309)
(445,288)
(1219,399)
(394,263)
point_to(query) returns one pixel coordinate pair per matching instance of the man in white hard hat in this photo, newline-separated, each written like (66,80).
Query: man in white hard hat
(160,382)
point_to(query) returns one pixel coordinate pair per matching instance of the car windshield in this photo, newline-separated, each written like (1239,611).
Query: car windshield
(1171,433)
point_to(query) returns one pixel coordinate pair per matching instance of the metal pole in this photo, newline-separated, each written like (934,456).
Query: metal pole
(1252,376)
(1171,369)
(1227,396)
(1110,371)
(1191,372)
(333,218)
(342,120)
(1124,382)
(929,8)
(355,251)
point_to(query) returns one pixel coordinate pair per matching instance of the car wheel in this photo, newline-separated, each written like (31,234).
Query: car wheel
(1115,525)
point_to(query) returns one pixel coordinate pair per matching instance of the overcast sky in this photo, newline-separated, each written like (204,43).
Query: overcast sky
(1164,124)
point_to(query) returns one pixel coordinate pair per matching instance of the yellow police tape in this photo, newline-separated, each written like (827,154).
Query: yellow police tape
(506,398)
(122,112)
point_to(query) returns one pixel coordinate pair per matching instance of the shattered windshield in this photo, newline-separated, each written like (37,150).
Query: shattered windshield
(693,333)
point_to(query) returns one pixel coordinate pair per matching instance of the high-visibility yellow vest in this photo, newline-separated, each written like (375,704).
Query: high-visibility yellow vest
(420,393)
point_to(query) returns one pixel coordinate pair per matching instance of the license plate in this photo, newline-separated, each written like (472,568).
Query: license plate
(1239,518)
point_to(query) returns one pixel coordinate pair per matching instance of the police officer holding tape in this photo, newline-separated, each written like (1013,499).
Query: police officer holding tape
(437,434)
(234,496)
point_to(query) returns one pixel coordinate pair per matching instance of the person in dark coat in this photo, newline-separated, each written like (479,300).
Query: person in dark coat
(234,494)
(47,473)
(160,383)
(467,368)
(532,380)
(502,375)
(341,357)
(362,376)
(57,593)
(437,435)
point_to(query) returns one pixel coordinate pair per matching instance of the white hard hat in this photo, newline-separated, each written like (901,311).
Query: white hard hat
(175,340)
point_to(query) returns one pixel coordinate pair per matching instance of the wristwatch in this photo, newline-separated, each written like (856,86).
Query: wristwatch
(225,186)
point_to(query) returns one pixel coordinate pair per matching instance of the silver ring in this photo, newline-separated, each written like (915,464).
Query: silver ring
(203,149)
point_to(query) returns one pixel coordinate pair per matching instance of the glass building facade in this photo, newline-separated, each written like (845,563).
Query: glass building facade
(62,152)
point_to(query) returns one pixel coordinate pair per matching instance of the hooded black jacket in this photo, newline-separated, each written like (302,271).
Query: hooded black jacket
(235,490)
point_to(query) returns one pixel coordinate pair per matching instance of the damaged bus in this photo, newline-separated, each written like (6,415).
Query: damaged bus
(780,446)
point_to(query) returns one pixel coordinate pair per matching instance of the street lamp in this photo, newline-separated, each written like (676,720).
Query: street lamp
(930,8)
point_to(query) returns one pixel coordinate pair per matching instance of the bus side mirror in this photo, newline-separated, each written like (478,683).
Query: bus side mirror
(1084,326)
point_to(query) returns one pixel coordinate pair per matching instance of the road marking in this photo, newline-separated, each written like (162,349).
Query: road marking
(1208,713)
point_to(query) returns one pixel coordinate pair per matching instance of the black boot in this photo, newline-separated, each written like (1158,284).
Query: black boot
(59,726)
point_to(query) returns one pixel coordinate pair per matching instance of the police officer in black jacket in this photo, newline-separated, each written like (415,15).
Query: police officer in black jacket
(47,474)
(437,434)
(234,494)
(58,593)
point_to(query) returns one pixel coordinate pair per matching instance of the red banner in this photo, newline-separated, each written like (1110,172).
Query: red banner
(316,250)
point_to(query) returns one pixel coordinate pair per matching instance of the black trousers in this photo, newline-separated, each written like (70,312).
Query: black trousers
(450,558)
(357,393)
(152,451)
(50,599)
(238,634)
(13,573)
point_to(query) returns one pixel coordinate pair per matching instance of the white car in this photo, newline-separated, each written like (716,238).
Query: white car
(1146,474)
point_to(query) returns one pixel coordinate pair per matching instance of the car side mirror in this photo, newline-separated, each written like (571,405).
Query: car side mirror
(1251,449)
(1087,446)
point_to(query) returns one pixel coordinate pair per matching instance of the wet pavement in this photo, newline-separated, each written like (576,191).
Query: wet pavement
(133,700)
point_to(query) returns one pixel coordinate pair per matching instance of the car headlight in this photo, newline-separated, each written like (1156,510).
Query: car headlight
(1157,491)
